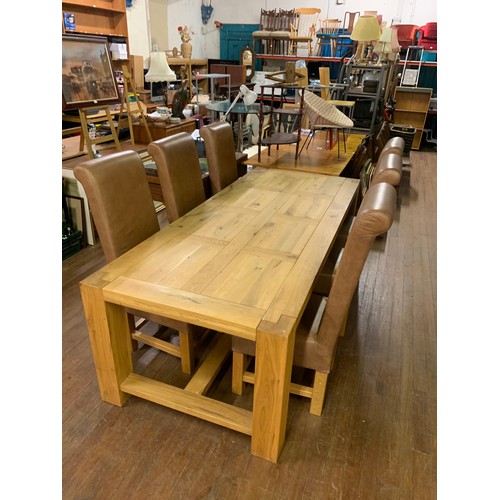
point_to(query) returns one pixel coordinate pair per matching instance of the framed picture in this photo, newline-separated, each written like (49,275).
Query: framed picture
(87,75)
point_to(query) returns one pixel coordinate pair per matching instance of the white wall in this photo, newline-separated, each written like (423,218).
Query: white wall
(138,28)
(205,38)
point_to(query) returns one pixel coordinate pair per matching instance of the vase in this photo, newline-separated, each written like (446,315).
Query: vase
(186,50)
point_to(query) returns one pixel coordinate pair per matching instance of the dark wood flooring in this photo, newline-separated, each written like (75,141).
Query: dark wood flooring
(375,440)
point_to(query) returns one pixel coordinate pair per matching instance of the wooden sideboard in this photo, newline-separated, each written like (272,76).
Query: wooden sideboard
(161,130)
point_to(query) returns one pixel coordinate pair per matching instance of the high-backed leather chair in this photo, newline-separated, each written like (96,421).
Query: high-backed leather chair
(221,155)
(324,317)
(124,215)
(389,169)
(179,173)
(393,145)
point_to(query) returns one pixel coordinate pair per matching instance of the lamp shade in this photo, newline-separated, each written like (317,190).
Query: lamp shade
(366,29)
(249,96)
(394,41)
(386,36)
(159,70)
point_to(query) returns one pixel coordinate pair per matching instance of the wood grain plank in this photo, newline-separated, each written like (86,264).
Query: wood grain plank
(193,404)
(200,310)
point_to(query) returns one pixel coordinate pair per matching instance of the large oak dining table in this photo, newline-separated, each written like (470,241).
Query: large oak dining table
(242,263)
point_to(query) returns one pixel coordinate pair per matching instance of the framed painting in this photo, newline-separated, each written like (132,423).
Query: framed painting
(87,75)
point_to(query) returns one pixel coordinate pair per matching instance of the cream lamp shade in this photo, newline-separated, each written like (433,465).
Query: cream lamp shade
(383,47)
(159,70)
(366,29)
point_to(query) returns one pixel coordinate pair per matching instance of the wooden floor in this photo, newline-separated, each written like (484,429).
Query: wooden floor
(375,440)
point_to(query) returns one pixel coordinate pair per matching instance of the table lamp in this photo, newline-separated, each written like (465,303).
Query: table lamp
(384,45)
(159,71)
(366,29)
(249,97)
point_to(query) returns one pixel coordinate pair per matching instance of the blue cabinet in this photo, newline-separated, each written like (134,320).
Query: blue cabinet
(233,38)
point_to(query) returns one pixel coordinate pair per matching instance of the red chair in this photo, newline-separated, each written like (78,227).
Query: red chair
(427,36)
(407,34)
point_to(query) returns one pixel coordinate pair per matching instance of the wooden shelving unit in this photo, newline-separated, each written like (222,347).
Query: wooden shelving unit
(99,17)
(412,105)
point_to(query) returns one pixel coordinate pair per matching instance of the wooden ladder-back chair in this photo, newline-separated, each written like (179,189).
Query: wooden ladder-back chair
(303,32)
(326,37)
(282,31)
(285,120)
(323,320)
(221,155)
(344,42)
(262,38)
(124,215)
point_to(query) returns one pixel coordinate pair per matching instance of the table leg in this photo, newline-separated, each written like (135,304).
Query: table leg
(273,369)
(240,133)
(109,334)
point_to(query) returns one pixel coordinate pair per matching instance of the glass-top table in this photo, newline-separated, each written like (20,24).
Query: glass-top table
(241,109)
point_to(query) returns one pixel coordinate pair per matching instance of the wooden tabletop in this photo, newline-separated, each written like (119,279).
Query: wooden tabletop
(318,158)
(243,263)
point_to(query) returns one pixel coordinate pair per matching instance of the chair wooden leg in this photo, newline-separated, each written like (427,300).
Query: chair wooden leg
(134,345)
(187,351)
(238,371)
(318,395)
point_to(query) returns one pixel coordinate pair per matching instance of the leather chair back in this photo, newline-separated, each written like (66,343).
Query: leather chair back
(221,155)
(179,173)
(374,217)
(389,169)
(120,201)
(394,145)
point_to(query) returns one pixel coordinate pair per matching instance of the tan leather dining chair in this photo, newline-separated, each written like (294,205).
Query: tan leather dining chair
(389,169)
(221,155)
(179,173)
(394,145)
(324,317)
(124,215)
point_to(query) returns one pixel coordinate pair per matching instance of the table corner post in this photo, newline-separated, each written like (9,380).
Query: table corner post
(111,369)
(273,370)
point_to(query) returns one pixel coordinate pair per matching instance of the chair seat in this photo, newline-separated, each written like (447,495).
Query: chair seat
(308,353)
(262,34)
(281,34)
(280,138)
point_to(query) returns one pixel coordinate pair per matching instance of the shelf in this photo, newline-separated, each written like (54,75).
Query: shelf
(104,5)
(283,57)
(412,105)
(98,17)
